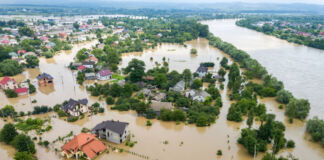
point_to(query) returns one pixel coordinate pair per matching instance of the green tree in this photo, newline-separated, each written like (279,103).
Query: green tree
(23,143)
(25,31)
(81,56)
(283,96)
(23,156)
(8,133)
(196,84)
(11,93)
(186,75)
(297,108)
(110,100)
(136,69)
(161,80)
(8,110)
(32,61)
(76,25)
(10,67)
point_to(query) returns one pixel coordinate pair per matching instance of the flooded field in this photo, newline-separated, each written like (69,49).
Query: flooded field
(184,141)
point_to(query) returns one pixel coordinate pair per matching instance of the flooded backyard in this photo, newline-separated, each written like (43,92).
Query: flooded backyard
(184,141)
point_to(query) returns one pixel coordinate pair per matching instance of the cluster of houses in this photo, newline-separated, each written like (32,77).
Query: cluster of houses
(89,146)
(6,83)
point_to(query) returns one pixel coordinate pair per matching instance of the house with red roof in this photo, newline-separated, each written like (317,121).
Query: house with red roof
(8,83)
(21,91)
(62,35)
(5,42)
(21,51)
(81,68)
(44,39)
(93,59)
(83,145)
(104,74)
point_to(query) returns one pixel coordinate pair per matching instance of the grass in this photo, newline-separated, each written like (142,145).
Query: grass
(117,77)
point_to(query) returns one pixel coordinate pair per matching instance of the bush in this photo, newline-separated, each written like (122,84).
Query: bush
(148,123)
(283,96)
(8,133)
(23,156)
(23,143)
(297,108)
(290,144)
(219,152)
(11,93)
(8,110)
(110,100)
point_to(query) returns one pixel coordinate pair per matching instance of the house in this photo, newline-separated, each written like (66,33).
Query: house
(83,145)
(13,55)
(101,46)
(202,71)
(29,54)
(45,79)
(179,87)
(157,106)
(146,92)
(113,131)
(21,91)
(90,76)
(104,74)
(159,96)
(21,51)
(8,83)
(74,108)
(93,59)
(197,95)
(81,68)
(62,35)
(159,35)
(148,78)
(88,64)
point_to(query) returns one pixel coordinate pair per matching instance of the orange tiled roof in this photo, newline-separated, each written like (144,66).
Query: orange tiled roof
(87,143)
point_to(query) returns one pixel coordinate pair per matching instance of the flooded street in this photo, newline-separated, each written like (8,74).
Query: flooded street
(301,68)
(184,141)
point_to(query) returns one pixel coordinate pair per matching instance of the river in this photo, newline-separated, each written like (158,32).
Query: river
(184,141)
(301,68)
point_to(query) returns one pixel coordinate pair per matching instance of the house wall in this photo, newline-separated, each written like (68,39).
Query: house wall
(45,82)
(113,137)
(103,78)
(10,85)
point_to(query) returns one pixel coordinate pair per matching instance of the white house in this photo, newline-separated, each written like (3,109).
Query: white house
(197,95)
(88,64)
(113,131)
(8,83)
(74,108)
(104,74)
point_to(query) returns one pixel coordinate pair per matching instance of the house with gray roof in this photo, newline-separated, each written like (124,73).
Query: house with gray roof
(179,87)
(90,76)
(202,71)
(113,131)
(157,106)
(75,107)
(197,95)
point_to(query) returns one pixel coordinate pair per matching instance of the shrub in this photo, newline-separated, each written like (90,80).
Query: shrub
(290,144)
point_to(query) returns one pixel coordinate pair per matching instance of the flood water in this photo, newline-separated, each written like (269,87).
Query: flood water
(301,68)
(184,141)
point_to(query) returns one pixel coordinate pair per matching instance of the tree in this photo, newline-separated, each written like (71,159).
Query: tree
(193,51)
(81,55)
(297,108)
(4,52)
(23,143)
(110,100)
(8,133)
(76,25)
(136,69)
(196,84)
(31,88)
(25,31)
(283,96)
(221,72)
(32,61)
(11,93)
(186,75)
(80,78)
(224,62)
(115,90)
(202,120)
(213,91)
(10,67)
(23,156)
(161,80)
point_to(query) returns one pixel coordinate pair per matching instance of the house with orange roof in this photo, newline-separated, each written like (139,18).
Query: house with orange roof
(8,83)
(83,145)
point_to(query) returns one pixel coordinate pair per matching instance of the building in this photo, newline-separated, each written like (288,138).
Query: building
(83,145)
(8,83)
(157,106)
(93,59)
(45,79)
(197,95)
(159,96)
(104,74)
(81,68)
(179,87)
(202,71)
(88,64)
(113,131)
(74,108)
(90,76)
(21,91)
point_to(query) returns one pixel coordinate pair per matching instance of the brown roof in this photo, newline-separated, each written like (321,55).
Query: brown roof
(157,106)
(87,143)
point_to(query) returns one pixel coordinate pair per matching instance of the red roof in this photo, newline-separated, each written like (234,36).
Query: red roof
(6,79)
(87,143)
(21,90)
(93,58)
(21,51)
(82,67)
(104,73)
(5,41)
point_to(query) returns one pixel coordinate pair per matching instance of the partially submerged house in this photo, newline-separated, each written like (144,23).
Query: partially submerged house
(202,71)
(21,91)
(197,95)
(83,145)
(90,76)
(104,74)
(74,108)
(45,79)
(88,64)
(179,87)
(157,106)
(159,96)
(113,131)
(8,83)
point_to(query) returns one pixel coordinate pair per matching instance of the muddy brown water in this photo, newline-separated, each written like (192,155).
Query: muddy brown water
(184,141)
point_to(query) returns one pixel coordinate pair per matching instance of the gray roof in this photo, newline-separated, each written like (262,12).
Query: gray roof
(44,75)
(179,87)
(72,104)
(88,63)
(115,126)
(157,106)
(202,69)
